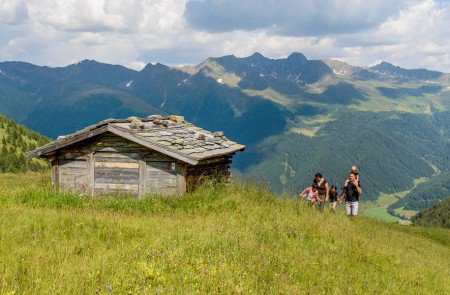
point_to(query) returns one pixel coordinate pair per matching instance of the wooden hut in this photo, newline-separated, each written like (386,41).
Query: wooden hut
(162,155)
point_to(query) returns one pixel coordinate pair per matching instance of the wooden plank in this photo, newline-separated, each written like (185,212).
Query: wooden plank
(121,149)
(74,172)
(55,174)
(73,168)
(101,191)
(109,180)
(142,175)
(73,155)
(77,138)
(119,172)
(73,163)
(116,165)
(109,143)
(90,169)
(116,186)
(123,156)
(159,157)
(115,171)
(68,178)
(116,160)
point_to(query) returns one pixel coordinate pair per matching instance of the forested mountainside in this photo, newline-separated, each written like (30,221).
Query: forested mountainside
(297,116)
(15,141)
(437,215)
(426,194)
(390,150)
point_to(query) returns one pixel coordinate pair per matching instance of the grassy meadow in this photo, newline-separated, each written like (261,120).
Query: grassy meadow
(228,239)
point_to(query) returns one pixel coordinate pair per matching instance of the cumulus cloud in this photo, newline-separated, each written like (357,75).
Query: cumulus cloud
(417,36)
(410,33)
(13,12)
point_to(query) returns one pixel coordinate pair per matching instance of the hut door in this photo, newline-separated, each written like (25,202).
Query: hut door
(164,178)
(116,172)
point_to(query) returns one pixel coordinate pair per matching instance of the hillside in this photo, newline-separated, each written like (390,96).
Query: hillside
(296,115)
(425,194)
(232,239)
(15,140)
(437,215)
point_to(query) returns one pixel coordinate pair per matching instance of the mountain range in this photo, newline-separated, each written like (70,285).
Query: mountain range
(297,116)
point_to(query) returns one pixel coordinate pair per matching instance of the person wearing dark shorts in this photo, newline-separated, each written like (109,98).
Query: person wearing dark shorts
(322,188)
(352,192)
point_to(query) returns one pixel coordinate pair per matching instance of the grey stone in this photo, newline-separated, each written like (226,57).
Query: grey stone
(154,117)
(137,124)
(130,119)
(227,144)
(178,141)
(199,135)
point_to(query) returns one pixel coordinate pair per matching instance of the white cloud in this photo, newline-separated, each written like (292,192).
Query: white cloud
(12,12)
(410,33)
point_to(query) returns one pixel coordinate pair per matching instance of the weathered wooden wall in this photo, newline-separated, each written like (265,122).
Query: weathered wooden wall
(164,177)
(108,163)
(73,173)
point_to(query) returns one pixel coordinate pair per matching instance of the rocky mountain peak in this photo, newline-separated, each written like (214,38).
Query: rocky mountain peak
(297,56)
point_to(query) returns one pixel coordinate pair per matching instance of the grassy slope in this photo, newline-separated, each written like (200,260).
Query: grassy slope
(231,240)
(29,137)
(437,215)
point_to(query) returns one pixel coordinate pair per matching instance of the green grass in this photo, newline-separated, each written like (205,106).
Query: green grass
(387,199)
(309,126)
(378,209)
(219,239)
(407,213)
(410,104)
(380,213)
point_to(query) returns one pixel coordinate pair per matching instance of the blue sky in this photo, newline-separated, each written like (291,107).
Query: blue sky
(409,33)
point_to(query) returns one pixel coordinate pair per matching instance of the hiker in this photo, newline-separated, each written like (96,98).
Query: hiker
(311,194)
(352,192)
(354,170)
(333,199)
(322,187)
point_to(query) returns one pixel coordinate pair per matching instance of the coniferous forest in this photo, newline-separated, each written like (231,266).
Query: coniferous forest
(437,215)
(15,141)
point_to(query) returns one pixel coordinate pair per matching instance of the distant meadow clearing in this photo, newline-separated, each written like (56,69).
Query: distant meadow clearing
(229,239)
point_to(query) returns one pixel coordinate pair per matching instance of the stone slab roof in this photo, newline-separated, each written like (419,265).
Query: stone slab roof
(170,135)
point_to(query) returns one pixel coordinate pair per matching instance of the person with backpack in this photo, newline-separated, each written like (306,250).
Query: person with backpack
(322,188)
(352,193)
